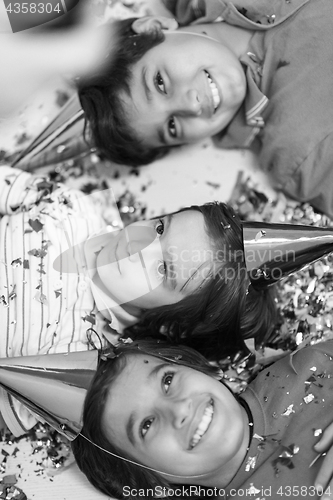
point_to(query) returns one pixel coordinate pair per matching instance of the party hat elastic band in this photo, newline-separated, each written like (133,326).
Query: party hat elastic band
(136,463)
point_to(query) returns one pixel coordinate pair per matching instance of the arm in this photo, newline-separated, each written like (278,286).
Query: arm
(324,479)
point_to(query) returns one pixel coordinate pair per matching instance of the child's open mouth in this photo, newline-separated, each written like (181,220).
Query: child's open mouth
(204,424)
(214,91)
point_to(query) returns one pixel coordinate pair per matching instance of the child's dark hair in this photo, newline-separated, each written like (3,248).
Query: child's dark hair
(216,318)
(106,119)
(106,472)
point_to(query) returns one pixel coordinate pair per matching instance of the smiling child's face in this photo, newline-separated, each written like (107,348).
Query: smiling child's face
(156,262)
(185,89)
(175,419)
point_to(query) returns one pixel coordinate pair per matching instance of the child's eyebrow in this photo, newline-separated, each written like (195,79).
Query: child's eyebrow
(171,275)
(161,136)
(149,97)
(133,416)
(146,88)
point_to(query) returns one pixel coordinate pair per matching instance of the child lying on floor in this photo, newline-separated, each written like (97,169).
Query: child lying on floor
(69,282)
(260,79)
(157,417)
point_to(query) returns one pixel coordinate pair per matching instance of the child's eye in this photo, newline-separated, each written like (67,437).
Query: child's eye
(161,269)
(160,83)
(172,127)
(145,426)
(167,380)
(159,227)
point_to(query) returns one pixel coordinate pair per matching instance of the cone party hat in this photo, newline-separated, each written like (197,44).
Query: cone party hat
(61,140)
(273,251)
(52,386)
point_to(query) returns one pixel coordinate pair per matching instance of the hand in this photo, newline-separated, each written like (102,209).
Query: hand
(324,479)
(30,60)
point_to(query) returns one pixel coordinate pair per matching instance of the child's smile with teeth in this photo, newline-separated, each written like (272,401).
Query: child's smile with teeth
(214,91)
(203,424)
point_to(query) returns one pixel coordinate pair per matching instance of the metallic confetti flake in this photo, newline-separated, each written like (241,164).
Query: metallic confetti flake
(16,262)
(317,432)
(252,490)
(295,448)
(36,225)
(259,235)
(251,463)
(299,338)
(40,297)
(311,286)
(256,436)
(288,411)
(307,399)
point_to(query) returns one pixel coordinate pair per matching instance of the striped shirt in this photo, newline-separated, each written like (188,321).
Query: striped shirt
(43,310)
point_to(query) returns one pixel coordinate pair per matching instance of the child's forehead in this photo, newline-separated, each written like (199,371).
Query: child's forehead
(191,34)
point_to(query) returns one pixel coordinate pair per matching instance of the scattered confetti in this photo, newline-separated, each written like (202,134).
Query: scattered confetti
(285,457)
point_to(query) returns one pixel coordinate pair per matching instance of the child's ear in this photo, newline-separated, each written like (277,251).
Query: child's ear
(152,23)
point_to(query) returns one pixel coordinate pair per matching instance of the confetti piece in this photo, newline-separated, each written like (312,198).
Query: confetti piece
(252,490)
(251,463)
(256,436)
(40,297)
(16,262)
(307,399)
(36,225)
(288,411)
(90,318)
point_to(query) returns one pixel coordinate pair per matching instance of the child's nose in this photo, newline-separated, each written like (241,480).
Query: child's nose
(181,412)
(190,103)
(138,238)
(135,246)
